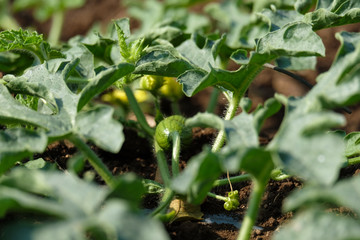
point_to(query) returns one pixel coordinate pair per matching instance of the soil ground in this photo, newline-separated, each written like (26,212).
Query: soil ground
(139,157)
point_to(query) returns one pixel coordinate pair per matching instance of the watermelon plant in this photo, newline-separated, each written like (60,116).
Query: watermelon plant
(50,94)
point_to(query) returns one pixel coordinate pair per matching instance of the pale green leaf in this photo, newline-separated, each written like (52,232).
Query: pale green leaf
(305,148)
(341,84)
(17,144)
(285,41)
(342,194)
(333,13)
(64,119)
(119,222)
(63,200)
(318,225)
(75,209)
(98,126)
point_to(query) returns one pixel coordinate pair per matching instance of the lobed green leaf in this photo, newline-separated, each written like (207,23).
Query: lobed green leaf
(333,13)
(63,119)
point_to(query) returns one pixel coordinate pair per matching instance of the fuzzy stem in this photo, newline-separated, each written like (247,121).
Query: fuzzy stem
(137,111)
(162,164)
(175,108)
(78,80)
(94,160)
(56,27)
(352,161)
(230,113)
(165,201)
(252,211)
(240,178)
(176,143)
(210,194)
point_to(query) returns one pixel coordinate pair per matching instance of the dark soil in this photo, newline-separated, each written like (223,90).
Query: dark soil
(137,153)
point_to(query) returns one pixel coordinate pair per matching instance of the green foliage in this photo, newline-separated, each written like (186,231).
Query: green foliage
(198,177)
(74,209)
(17,144)
(45,9)
(29,42)
(49,95)
(342,194)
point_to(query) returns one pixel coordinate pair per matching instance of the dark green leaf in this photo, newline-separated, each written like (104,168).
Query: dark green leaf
(162,60)
(130,188)
(102,81)
(14,63)
(198,177)
(303,6)
(30,42)
(261,113)
(352,144)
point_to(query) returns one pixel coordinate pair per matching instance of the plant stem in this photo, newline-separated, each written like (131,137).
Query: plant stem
(94,160)
(175,108)
(8,23)
(176,143)
(77,80)
(137,111)
(165,201)
(162,164)
(56,27)
(252,211)
(213,100)
(352,161)
(240,178)
(210,194)
(230,113)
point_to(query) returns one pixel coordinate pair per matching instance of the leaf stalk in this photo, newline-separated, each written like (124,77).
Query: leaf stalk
(252,211)
(94,160)
(137,111)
